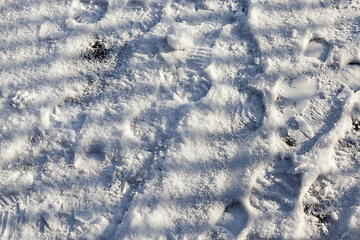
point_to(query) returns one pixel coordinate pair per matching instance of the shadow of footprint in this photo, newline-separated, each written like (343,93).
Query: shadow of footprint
(89,11)
(234,218)
(317,48)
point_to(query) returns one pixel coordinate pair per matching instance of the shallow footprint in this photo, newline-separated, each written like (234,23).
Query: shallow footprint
(140,17)
(195,84)
(200,59)
(307,113)
(317,48)
(274,195)
(89,11)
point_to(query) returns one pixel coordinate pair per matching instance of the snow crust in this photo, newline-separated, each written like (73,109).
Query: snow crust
(172,119)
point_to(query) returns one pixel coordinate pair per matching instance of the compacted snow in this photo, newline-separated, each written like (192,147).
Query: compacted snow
(174,119)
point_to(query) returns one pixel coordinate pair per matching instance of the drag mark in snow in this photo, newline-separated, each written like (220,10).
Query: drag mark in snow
(317,48)
(89,11)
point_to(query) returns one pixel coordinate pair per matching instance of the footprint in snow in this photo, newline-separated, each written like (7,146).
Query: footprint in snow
(345,191)
(311,109)
(192,87)
(233,220)
(23,99)
(305,113)
(351,74)
(10,215)
(248,114)
(317,48)
(138,19)
(155,126)
(254,109)
(200,58)
(189,62)
(274,195)
(196,65)
(347,149)
(193,76)
(89,11)
(142,18)
(319,202)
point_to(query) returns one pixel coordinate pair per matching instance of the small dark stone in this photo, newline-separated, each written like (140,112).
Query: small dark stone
(290,141)
(356,124)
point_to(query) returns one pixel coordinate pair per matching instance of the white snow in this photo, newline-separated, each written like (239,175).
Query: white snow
(172,119)
(179,37)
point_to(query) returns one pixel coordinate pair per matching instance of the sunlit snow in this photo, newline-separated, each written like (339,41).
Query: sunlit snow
(174,119)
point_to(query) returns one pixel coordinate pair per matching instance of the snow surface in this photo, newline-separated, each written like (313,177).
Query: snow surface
(174,119)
